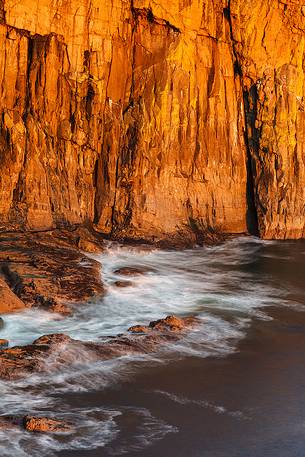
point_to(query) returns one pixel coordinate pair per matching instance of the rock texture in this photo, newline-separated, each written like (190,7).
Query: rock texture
(153,119)
(269,39)
(47,270)
(52,352)
(35,424)
(45,425)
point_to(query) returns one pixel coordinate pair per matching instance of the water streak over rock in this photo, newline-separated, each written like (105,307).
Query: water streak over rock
(51,352)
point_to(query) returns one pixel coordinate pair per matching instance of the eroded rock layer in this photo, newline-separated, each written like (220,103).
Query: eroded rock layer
(152,119)
(48,270)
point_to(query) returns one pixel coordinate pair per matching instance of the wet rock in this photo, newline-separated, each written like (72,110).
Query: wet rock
(22,361)
(139,329)
(1,323)
(89,246)
(10,422)
(3,343)
(46,270)
(45,425)
(54,339)
(9,302)
(18,361)
(133,271)
(123,284)
(89,241)
(169,324)
(35,424)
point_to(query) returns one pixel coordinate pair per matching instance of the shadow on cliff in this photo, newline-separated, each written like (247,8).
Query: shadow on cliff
(252,137)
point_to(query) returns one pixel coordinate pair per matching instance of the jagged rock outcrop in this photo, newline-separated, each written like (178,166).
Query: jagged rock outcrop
(153,119)
(48,270)
(52,352)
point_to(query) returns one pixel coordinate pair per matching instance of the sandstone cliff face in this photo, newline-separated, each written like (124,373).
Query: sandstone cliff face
(269,44)
(151,118)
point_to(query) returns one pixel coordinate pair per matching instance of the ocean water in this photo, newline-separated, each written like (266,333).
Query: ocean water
(226,287)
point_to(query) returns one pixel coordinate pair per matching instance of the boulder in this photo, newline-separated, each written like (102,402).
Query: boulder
(46,270)
(45,425)
(3,343)
(123,284)
(133,271)
(169,324)
(35,424)
(139,329)
(9,302)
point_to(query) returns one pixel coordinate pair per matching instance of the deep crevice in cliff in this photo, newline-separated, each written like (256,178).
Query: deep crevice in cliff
(252,216)
(249,122)
(147,13)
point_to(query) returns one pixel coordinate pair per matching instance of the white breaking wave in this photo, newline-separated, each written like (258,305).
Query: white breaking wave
(218,409)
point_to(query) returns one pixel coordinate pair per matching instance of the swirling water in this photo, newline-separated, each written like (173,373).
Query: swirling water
(225,286)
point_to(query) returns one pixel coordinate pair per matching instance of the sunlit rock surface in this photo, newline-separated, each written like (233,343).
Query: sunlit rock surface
(153,119)
(47,270)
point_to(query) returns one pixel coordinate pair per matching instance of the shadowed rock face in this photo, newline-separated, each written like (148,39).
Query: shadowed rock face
(153,120)
(269,48)
(20,361)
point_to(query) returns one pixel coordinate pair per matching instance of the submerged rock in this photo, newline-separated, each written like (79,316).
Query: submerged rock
(123,284)
(133,271)
(9,422)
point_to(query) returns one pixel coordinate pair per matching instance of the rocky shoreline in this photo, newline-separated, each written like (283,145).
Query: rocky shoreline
(21,361)
(49,269)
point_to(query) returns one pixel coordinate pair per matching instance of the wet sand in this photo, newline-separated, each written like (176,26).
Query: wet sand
(261,388)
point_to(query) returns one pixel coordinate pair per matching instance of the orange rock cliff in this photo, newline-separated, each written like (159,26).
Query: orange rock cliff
(147,117)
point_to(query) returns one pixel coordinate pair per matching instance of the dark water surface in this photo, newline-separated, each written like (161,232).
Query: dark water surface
(261,388)
(235,387)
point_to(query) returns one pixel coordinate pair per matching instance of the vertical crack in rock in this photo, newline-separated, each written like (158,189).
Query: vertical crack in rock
(120,220)
(269,42)
(249,123)
(17,210)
